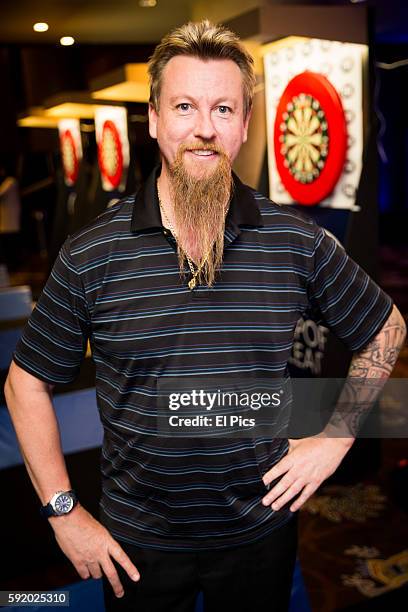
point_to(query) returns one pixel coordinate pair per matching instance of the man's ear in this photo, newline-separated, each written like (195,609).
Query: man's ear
(246,125)
(152,121)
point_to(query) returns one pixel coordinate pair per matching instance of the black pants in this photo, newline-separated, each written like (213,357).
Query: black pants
(248,578)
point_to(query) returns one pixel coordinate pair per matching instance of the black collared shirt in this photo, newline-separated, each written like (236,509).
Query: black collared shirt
(117,283)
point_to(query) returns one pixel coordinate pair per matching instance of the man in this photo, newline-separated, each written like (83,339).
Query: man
(180,514)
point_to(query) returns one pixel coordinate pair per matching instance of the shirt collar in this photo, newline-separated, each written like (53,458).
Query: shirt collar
(243,209)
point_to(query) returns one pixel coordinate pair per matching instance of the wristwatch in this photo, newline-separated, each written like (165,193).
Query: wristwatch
(62,502)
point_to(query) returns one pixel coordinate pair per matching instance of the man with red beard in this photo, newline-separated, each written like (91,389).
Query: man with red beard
(196,276)
(200,125)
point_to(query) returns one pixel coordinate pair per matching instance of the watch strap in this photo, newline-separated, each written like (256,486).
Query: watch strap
(47,510)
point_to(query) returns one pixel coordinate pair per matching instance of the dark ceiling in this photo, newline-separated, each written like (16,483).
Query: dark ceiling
(90,21)
(124,21)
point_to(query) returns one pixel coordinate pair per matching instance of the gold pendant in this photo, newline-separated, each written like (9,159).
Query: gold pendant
(192,283)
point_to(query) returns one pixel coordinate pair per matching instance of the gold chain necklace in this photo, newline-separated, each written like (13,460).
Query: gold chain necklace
(194,272)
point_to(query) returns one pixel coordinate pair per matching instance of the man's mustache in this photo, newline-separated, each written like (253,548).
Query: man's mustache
(201,146)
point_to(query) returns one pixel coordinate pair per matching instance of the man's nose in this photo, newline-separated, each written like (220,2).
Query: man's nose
(204,127)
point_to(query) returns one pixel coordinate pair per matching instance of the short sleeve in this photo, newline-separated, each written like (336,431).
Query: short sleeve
(349,302)
(54,339)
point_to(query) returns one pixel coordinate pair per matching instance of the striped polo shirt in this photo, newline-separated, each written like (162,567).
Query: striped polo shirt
(116,282)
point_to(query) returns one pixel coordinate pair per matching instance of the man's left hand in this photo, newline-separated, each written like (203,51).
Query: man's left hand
(307,464)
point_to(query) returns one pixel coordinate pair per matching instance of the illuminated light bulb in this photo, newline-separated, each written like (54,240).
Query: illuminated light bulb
(40,27)
(66,41)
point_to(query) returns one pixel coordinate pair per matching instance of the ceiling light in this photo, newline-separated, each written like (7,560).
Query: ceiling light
(67,41)
(147,3)
(35,117)
(40,27)
(72,105)
(129,83)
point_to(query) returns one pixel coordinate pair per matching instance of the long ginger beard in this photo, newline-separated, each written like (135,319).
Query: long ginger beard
(200,204)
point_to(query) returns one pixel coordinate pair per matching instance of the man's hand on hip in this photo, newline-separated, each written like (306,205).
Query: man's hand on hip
(90,547)
(307,464)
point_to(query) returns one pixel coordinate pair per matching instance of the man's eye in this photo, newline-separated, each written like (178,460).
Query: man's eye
(184,106)
(224,110)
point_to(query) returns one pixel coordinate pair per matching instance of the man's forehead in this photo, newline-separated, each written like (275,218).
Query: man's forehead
(184,71)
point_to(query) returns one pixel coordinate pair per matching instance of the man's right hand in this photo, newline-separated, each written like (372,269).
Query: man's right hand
(86,543)
(90,547)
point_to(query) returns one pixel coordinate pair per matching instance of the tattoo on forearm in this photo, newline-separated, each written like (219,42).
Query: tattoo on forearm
(378,358)
(368,372)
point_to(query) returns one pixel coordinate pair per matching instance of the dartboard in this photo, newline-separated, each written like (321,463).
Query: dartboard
(110,154)
(310,138)
(69,157)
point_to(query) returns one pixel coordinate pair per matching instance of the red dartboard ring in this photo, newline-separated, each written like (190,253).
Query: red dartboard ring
(310,138)
(69,156)
(110,154)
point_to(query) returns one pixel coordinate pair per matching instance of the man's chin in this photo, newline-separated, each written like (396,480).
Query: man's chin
(201,168)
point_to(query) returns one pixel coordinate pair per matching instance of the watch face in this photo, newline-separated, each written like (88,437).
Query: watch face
(63,503)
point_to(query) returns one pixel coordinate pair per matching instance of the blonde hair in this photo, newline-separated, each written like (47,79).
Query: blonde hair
(203,40)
